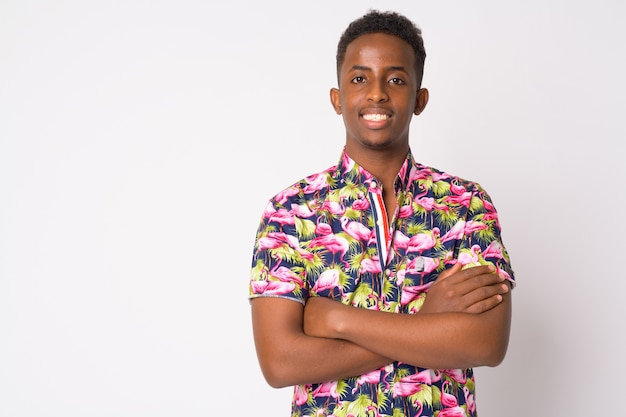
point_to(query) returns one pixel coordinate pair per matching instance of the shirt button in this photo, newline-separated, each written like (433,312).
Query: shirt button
(373,184)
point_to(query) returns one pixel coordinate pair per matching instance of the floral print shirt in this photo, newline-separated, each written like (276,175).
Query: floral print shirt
(328,236)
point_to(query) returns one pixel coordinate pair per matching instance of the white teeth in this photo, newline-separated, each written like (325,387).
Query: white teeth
(375,117)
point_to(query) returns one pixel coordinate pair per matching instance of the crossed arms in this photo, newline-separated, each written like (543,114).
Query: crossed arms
(464,322)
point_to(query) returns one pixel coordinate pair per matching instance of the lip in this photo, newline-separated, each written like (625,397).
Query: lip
(376,124)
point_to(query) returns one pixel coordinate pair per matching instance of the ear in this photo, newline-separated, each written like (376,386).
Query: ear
(421,101)
(335,100)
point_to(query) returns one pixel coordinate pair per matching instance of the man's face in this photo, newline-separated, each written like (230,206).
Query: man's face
(378,92)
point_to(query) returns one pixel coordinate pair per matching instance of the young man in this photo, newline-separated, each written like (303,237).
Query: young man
(379,283)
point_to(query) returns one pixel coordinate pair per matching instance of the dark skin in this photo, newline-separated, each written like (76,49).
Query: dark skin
(465,319)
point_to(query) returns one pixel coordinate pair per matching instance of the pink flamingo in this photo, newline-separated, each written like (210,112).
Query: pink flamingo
(270,241)
(492,216)
(429,203)
(316,182)
(438,176)
(400,276)
(361,203)
(473,226)
(456,374)
(468,256)
(457,189)
(275,240)
(490,208)
(427,376)
(494,250)
(423,264)
(283,217)
(327,389)
(268,211)
(406,386)
(302,210)
(462,199)
(423,241)
(356,230)
(452,412)
(405,211)
(409,293)
(371,265)
(284,195)
(430,264)
(372,377)
(455,233)
(347,162)
(285,274)
(470,402)
(448,400)
(322,229)
(327,280)
(334,207)
(400,240)
(418,174)
(300,395)
(272,287)
(334,243)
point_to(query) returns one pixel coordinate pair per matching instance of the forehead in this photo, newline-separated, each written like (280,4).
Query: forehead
(378,48)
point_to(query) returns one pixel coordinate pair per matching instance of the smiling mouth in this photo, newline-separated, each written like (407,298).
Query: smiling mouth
(375,117)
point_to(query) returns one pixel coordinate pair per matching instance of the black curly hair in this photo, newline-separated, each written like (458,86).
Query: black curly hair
(391,23)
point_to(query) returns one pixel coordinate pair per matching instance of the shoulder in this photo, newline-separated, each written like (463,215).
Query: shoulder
(445,180)
(310,187)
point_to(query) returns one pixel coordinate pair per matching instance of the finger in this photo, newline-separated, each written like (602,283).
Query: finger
(485,305)
(475,282)
(485,294)
(450,271)
(478,269)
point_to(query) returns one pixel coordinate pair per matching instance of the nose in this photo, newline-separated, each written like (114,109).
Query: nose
(377,92)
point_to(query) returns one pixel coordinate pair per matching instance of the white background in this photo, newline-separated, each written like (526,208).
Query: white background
(139,141)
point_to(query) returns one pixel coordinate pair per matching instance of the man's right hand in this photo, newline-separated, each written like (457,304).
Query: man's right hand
(470,290)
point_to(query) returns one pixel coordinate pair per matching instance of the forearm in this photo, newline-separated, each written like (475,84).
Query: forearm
(438,340)
(287,356)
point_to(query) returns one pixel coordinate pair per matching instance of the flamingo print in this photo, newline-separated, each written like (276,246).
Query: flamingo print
(361,203)
(336,208)
(334,243)
(285,274)
(494,250)
(328,280)
(462,199)
(455,233)
(448,400)
(302,210)
(371,265)
(452,412)
(284,195)
(356,230)
(470,402)
(272,287)
(469,256)
(423,241)
(311,240)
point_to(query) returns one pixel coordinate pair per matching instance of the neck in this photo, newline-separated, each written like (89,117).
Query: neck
(382,164)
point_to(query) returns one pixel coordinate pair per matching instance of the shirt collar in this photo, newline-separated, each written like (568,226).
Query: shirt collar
(348,168)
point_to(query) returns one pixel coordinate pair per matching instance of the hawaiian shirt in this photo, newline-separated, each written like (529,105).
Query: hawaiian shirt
(328,236)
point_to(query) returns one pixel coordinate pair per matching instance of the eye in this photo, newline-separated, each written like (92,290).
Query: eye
(396,80)
(358,79)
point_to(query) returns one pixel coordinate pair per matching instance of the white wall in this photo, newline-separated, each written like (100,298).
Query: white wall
(125,126)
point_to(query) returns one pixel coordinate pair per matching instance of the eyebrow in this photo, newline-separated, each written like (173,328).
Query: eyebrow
(364,68)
